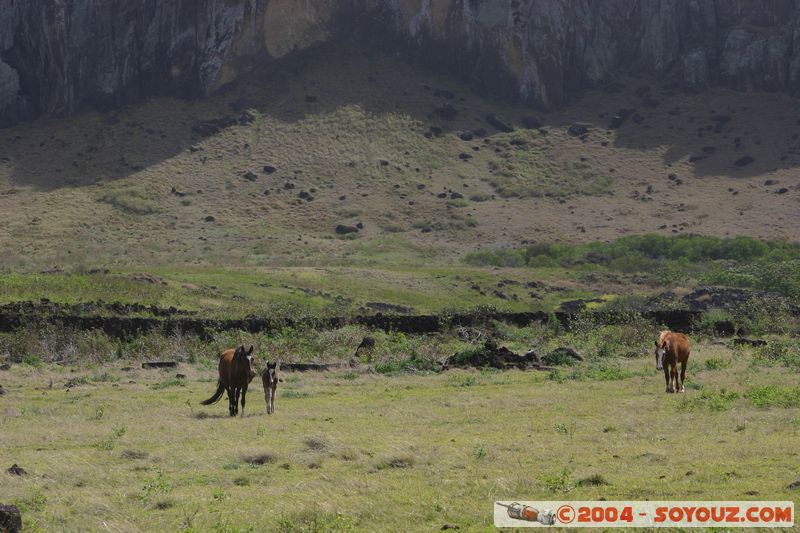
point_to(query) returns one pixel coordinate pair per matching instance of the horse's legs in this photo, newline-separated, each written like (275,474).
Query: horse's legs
(235,406)
(271,400)
(683,376)
(244,393)
(667,378)
(675,374)
(229,390)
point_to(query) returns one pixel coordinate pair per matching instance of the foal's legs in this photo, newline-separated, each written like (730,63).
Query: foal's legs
(271,400)
(244,393)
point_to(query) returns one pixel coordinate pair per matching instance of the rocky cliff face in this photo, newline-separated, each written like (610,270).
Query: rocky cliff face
(58,56)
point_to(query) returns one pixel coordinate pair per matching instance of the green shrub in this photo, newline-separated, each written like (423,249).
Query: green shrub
(717,363)
(559,481)
(738,262)
(782,352)
(774,396)
(136,200)
(713,401)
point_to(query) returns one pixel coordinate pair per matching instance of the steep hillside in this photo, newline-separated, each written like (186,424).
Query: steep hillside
(263,173)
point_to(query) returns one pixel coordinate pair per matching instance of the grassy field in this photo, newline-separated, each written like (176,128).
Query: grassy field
(134,451)
(234,292)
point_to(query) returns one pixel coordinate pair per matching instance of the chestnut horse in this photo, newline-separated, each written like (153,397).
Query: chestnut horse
(671,349)
(236,371)
(270,378)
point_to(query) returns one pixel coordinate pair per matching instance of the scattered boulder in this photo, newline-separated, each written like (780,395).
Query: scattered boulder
(342,229)
(16,470)
(499,123)
(490,355)
(719,122)
(577,129)
(250,176)
(367,343)
(562,354)
(724,328)
(212,127)
(650,101)
(532,123)
(159,364)
(479,132)
(793,485)
(2,391)
(269,169)
(466,135)
(5,366)
(782,190)
(210,218)
(446,111)
(744,161)
(464,156)
(10,519)
(180,376)
(616,122)
(744,341)
(246,117)
(770,182)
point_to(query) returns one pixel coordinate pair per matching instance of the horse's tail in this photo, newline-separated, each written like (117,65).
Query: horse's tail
(217,395)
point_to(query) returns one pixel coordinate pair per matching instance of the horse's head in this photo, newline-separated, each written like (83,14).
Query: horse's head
(272,372)
(659,356)
(248,360)
(661,347)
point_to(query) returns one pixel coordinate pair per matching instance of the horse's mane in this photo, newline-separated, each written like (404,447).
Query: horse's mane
(664,338)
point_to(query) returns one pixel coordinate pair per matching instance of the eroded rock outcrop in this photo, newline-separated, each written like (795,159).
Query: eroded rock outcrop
(57,57)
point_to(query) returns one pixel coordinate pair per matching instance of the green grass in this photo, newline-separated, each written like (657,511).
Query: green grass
(295,291)
(135,200)
(774,396)
(737,262)
(381,440)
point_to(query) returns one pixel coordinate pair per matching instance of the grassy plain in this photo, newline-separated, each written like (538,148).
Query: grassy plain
(134,451)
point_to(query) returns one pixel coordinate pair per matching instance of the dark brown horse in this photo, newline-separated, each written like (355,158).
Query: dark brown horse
(270,378)
(671,349)
(236,371)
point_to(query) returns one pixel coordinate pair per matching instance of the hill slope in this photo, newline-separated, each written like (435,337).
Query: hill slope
(363,139)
